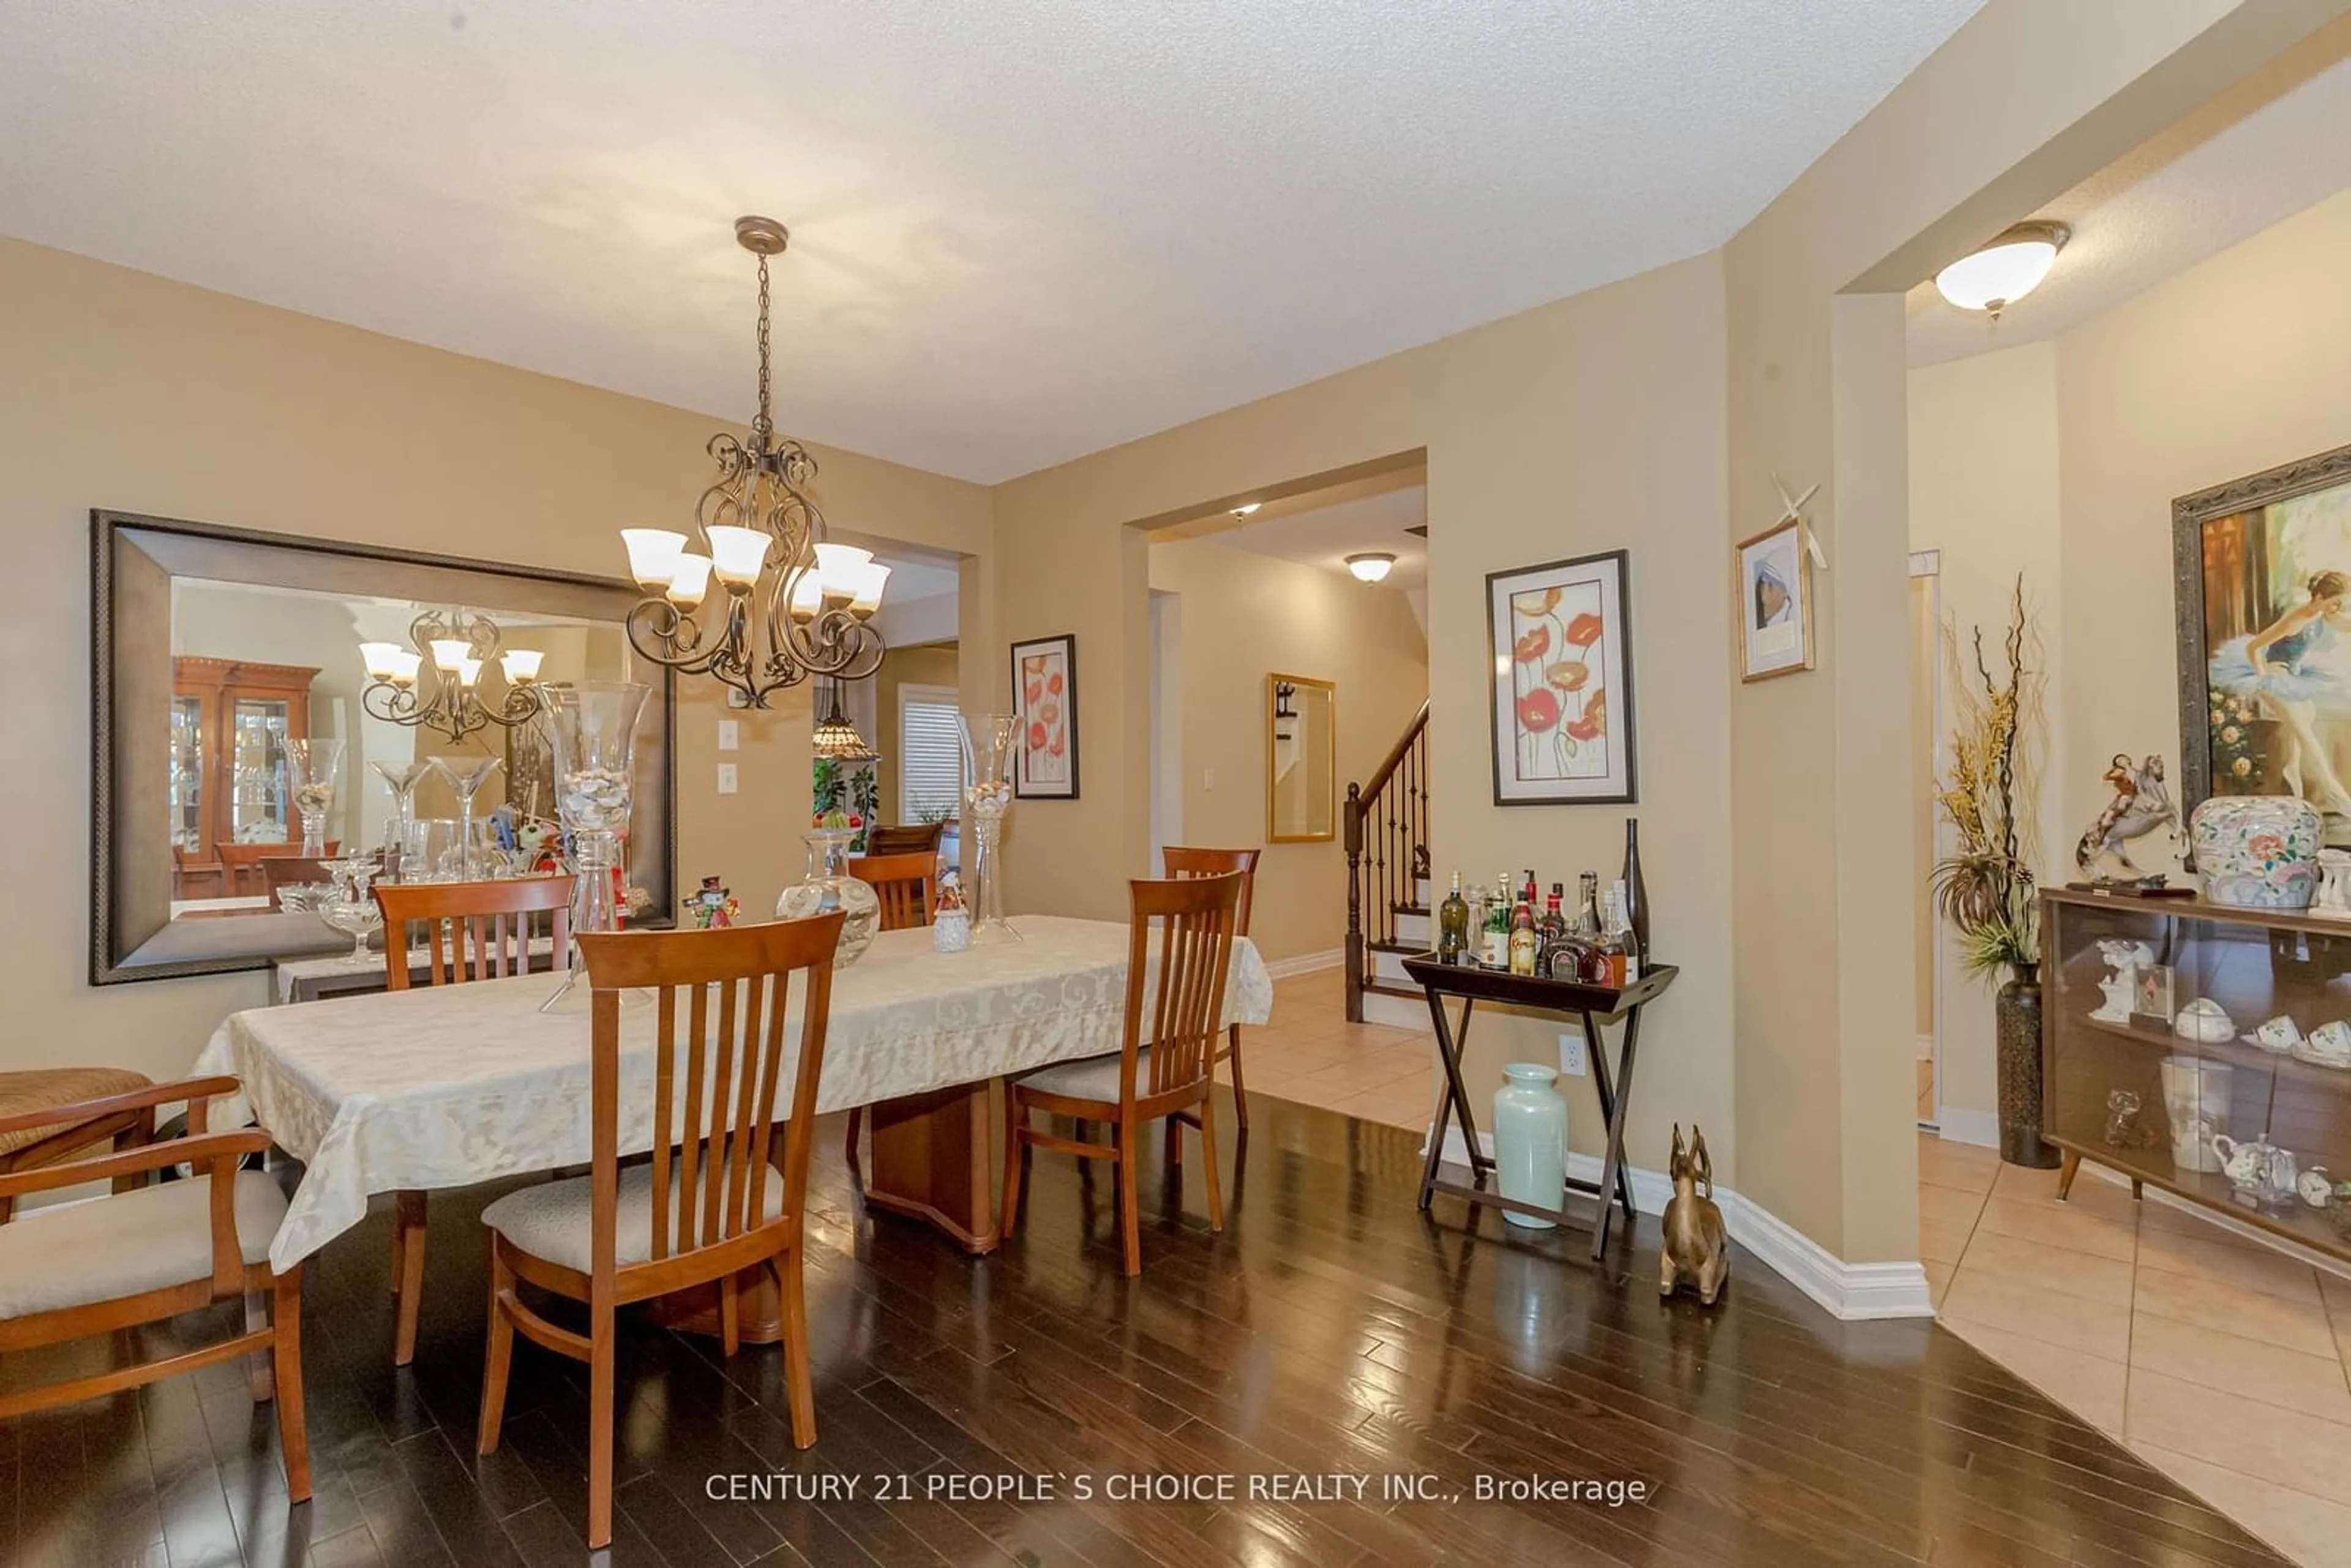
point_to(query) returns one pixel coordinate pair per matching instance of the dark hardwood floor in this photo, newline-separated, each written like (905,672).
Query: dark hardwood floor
(1331,1329)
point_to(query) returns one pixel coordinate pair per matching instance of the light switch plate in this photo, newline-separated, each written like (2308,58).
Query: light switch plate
(1570,1055)
(730,734)
(727,779)
(1207,778)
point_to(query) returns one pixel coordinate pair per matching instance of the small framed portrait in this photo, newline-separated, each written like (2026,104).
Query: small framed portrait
(2152,997)
(1045,688)
(1775,603)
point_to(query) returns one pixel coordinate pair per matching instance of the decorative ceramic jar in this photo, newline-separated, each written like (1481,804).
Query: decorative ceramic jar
(2257,851)
(1531,1140)
(829,886)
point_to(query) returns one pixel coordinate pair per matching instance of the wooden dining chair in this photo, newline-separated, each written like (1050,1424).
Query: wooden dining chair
(26,1099)
(474,931)
(903,884)
(84,1269)
(916,838)
(1167,1062)
(1183,862)
(279,871)
(726,1198)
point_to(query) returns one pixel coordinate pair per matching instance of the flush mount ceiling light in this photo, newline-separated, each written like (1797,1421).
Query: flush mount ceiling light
(1370,566)
(1246,507)
(2006,270)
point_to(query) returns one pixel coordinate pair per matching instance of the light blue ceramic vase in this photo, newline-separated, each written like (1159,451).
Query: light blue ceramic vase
(1531,1140)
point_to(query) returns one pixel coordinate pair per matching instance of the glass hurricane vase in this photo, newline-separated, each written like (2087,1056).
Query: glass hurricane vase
(351,908)
(311,768)
(989,744)
(591,730)
(829,886)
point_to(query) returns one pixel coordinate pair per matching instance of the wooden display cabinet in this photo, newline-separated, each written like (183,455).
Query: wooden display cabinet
(231,798)
(2257,964)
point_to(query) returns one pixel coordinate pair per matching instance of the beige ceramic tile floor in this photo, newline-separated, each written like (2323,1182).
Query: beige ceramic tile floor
(2219,1361)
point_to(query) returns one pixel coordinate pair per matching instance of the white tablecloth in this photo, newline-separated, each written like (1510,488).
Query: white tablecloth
(444,1086)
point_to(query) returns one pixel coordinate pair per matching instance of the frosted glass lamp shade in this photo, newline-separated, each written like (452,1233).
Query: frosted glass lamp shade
(1372,566)
(405,663)
(2004,271)
(689,580)
(450,653)
(838,568)
(807,594)
(652,554)
(865,598)
(382,659)
(738,554)
(521,665)
(469,671)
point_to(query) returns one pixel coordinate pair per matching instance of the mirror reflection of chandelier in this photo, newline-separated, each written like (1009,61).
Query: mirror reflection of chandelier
(791,604)
(460,647)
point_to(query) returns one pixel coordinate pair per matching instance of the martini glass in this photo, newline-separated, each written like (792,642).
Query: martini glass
(312,766)
(403,777)
(466,775)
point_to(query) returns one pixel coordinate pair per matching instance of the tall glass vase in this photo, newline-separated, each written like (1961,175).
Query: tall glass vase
(312,767)
(592,731)
(403,778)
(466,775)
(988,745)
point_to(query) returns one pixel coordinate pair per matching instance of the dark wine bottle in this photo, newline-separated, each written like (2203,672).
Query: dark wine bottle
(1636,892)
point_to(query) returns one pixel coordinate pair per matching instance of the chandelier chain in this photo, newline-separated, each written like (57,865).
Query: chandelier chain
(764,426)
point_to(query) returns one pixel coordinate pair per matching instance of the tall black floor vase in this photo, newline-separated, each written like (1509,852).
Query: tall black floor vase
(2017,1024)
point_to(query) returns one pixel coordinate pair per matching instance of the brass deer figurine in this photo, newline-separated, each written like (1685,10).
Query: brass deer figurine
(1697,1246)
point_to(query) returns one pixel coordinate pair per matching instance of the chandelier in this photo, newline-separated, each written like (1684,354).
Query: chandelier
(791,605)
(461,646)
(836,738)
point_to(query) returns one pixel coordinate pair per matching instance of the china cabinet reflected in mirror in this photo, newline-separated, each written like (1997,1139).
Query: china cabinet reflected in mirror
(230,721)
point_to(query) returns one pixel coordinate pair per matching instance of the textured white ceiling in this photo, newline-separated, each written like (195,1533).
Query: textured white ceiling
(1022,230)
(1326,536)
(2139,223)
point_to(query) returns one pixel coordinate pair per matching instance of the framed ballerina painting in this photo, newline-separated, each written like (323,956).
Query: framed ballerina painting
(1563,683)
(1045,688)
(2262,570)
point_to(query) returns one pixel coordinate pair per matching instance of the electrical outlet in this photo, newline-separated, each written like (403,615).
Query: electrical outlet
(1570,1055)
(730,734)
(727,779)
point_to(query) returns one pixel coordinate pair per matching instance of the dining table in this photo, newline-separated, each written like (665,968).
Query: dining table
(446,1086)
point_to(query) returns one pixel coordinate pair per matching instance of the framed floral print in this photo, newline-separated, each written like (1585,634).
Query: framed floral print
(1045,688)
(1563,683)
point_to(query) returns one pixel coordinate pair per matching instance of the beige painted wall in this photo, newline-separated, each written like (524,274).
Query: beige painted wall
(1242,617)
(124,390)
(1984,493)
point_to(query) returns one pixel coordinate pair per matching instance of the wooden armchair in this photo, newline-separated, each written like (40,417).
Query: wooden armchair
(903,884)
(26,1100)
(1165,1065)
(151,1253)
(725,1200)
(475,930)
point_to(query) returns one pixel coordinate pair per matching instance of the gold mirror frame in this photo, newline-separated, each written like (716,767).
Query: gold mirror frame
(1330,690)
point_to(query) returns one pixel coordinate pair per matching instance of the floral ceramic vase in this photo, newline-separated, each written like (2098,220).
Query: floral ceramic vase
(1531,1140)
(2257,851)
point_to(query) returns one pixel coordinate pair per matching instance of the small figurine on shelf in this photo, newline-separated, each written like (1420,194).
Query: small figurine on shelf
(2142,803)
(713,908)
(950,919)
(1696,1244)
(2127,959)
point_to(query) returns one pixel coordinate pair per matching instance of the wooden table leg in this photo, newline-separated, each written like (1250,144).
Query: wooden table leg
(930,1162)
(1453,1102)
(1615,1182)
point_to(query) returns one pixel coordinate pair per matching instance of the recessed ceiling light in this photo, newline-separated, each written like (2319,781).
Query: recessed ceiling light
(1246,507)
(1370,566)
(2004,271)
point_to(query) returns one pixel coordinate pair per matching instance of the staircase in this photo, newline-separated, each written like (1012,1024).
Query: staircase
(1388,896)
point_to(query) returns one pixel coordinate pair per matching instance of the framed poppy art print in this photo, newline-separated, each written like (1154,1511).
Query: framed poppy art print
(1045,688)
(1563,683)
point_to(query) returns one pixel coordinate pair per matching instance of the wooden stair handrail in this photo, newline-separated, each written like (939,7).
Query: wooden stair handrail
(1358,798)
(1410,824)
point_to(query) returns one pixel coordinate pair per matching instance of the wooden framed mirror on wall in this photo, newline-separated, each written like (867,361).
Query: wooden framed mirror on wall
(213,649)
(1301,760)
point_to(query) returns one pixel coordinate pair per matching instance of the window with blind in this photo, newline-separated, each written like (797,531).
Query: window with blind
(930,754)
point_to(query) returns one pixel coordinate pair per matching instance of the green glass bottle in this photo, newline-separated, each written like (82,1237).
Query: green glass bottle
(1453,926)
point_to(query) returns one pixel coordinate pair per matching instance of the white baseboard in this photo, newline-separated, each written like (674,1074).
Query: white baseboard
(1961,1126)
(1306,963)
(1852,1291)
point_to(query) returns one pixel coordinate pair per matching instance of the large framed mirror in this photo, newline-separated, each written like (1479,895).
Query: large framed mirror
(214,649)
(1300,761)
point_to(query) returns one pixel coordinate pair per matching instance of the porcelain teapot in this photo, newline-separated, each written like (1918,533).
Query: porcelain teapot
(2262,1172)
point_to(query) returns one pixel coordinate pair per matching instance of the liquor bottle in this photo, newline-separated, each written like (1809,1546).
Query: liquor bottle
(1627,937)
(1523,941)
(1587,907)
(1548,935)
(1453,926)
(1494,954)
(1612,950)
(1636,891)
